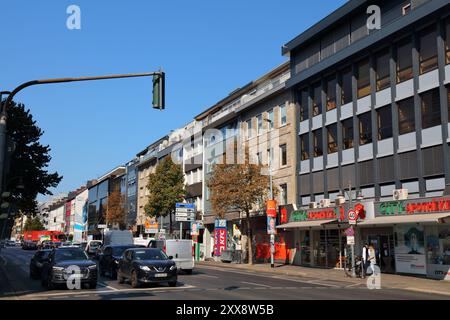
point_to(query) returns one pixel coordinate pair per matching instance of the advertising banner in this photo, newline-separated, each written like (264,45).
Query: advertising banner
(271,208)
(220,237)
(271,225)
(410,249)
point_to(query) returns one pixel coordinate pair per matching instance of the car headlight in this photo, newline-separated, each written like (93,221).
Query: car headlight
(173,267)
(92,267)
(58,269)
(145,268)
(116,261)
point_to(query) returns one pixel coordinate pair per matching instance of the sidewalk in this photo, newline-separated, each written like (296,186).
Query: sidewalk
(388,281)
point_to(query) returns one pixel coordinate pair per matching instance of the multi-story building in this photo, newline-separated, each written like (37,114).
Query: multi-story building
(259,117)
(98,194)
(131,191)
(373,106)
(44,208)
(79,211)
(57,216)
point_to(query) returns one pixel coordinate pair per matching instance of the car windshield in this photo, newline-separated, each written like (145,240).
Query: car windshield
(117,251)
(150,255)
(62,255)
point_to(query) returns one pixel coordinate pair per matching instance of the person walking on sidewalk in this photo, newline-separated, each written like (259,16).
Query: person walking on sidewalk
(365,259)
(372,260)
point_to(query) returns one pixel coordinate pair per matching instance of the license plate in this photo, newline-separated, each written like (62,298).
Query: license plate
(160,275)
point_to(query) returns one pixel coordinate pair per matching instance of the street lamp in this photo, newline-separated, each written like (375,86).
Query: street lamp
(158,100)
(272,236)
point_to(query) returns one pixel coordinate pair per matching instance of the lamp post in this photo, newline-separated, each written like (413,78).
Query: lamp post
(158,101)
(272,236)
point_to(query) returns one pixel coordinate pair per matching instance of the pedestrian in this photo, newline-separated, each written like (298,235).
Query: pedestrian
(365,261)
(372,258)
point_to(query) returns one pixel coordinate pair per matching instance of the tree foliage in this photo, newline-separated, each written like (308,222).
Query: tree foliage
(239,187)
(29,160)
(33,224)
(115,209)
(166,188)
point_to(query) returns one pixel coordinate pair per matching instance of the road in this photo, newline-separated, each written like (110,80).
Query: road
(206,283)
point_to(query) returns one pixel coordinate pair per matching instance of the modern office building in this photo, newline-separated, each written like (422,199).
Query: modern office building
(373,106)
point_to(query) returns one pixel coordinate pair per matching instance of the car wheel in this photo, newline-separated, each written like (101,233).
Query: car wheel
(188,271)
(172,283)
(134,280)
(120,279)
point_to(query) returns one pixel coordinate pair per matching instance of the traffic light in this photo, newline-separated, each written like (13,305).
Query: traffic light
(159,91)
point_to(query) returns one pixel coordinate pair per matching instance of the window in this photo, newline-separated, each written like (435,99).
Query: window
(304,145)
(447,40)
(283,116)
(332,138)
(304,109)
(365,128)
(283,194)
(271,119)
(382,68)
(260,124)
(283,155)
(404,61)
(363,76)
(406,122)
(347,133)
(428,50)
(249,129)
(431,109)
(317,100)
(331,94)
(384,121)
(318,143)
(346,87)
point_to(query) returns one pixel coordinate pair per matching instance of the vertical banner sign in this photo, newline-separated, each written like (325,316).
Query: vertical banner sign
(220,237)
(271,229)
(271,208)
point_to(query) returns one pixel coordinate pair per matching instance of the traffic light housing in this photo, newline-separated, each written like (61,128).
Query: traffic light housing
(159,90)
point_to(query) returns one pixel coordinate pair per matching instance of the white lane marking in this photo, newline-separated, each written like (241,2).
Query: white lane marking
(256,284)
(323,284)
(207,276)
(104,285)
(59,294)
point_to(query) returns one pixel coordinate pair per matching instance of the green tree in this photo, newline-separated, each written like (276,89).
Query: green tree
(29,160)
(166,188)
(33,224)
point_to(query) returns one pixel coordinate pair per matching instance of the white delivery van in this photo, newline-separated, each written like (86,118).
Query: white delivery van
(118,238)
(180,250)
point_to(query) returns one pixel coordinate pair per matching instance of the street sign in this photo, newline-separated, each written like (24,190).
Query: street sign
(352,217)
(350,240)
(151,231)
(185,212)
(350,232)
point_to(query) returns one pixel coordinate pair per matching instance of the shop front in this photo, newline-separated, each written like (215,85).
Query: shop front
(411,236)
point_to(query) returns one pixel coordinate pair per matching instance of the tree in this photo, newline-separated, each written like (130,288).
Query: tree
(166,189)
(115,209)
(33,224)
(29,160)
(239,187)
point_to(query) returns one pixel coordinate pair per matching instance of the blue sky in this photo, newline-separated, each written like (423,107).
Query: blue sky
(207,49)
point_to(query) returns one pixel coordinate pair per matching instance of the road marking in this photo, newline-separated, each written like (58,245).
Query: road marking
(207,276)
(90,293)
(256,284)
(322,284)
(101,284)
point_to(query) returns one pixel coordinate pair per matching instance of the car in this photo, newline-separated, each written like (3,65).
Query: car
(144,265)
(180,249)
(109,257)
(66,244)
(58,267)
(57,244)
(37,263)
(10,243)
(46,244)
(29,245)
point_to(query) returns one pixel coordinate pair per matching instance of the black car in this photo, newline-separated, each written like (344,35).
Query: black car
(108,259)
(37,262)
(29,245)
(143,265)
(46,244)
(59,267)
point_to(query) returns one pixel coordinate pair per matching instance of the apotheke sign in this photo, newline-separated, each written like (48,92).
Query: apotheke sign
(414,206)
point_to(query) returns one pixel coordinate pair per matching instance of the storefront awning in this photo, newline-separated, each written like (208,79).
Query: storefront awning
(305,224)
(415,218)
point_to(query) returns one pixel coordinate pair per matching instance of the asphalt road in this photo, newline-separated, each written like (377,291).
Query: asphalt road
(206,283)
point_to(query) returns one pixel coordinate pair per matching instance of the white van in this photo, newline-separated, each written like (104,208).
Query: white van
(117,238)
(180,250)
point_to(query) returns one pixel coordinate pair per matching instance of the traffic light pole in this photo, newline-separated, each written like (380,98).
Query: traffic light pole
(158,101)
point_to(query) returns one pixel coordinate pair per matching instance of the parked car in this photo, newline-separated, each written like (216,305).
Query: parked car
(37,263)
(55,269)
(180,250)
(29,245)
(108,259)
(93,246)
(144,265)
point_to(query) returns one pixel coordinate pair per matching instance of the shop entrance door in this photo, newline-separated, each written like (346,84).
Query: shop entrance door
(384,249)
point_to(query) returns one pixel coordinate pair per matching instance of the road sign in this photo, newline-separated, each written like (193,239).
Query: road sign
(350,240)
(185,212)
(352,217)
(350,232)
